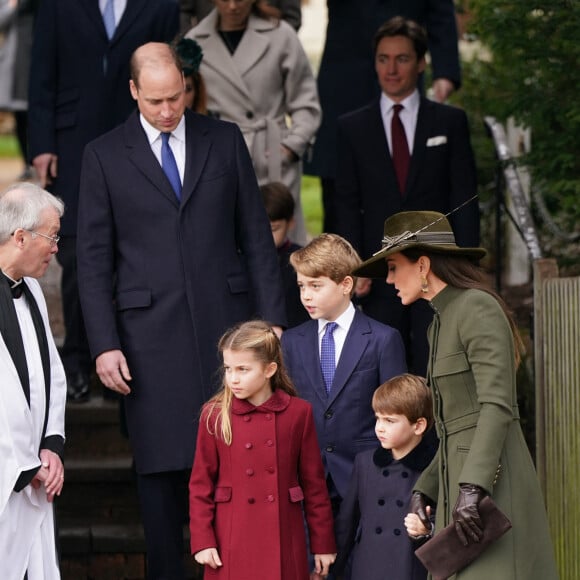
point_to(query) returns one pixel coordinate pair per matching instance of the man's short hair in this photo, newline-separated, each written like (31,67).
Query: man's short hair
(21,205)
(278,201)
(326,255)
(406,395)
(165,55)
(399,26)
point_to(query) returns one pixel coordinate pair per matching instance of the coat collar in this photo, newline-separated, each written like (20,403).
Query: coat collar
(445,297)
(275,404)
(417,459)
(252,47)
(197,147)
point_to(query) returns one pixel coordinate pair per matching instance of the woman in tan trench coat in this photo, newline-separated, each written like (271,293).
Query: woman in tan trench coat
(258,76)
(472,367)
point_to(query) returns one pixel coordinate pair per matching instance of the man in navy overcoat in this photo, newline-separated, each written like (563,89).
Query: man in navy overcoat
(161,278)
(78,91)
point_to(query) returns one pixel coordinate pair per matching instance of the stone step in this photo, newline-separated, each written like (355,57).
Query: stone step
(99,490)
(93,429)
(115,552)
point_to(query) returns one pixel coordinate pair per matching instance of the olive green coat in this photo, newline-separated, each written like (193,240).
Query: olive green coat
(472,376)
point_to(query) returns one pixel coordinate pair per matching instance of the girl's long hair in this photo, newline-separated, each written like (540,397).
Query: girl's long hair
(259,338)
(461,272)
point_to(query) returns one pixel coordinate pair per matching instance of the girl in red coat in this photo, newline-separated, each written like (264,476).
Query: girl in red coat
(257,470)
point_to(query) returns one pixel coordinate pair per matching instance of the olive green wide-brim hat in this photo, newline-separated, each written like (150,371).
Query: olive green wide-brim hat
(422,230)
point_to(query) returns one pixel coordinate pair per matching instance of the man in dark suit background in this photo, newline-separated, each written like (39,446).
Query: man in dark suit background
(440,172)
(78,91)
(347,81)
(166,265)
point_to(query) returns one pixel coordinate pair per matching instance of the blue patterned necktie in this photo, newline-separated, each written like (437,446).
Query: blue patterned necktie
(327,355)
(169,165)
(109,18)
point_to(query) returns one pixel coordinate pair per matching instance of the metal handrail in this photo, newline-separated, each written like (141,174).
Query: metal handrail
(521,215)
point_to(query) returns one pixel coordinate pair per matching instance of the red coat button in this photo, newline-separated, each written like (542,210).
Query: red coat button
(249,472)
(248,446)
(270,498)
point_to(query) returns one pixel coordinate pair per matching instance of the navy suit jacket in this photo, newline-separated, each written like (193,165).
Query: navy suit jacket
(72,100)
(162,280)
(441,176)
(345,421)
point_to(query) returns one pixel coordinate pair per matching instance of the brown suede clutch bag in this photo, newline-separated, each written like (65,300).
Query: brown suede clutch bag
(445,555)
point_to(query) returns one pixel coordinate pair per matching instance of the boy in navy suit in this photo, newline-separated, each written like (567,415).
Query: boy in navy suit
(366,353)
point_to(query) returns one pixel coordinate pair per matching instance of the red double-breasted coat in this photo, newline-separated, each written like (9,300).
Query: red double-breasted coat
(246,498)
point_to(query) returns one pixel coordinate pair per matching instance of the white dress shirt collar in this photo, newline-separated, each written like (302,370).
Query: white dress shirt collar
(408,116)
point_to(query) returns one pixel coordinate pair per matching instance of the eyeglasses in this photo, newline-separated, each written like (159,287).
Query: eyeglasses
(52,239)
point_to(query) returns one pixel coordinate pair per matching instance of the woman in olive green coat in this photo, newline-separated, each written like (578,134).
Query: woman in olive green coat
(474,352)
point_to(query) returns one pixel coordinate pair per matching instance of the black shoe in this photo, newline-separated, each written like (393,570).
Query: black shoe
(77,387)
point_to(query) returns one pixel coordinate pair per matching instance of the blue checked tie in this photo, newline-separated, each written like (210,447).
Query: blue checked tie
(109,18)
(169,165)
(327,356)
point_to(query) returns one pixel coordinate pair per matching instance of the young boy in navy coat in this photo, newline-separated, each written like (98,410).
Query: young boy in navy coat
(366,354)
(371,522)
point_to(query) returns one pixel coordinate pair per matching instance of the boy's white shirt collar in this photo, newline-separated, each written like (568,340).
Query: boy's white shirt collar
(343,321)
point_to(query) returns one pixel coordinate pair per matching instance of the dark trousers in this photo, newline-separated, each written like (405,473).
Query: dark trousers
(163,498)
(75,353)
(412,322)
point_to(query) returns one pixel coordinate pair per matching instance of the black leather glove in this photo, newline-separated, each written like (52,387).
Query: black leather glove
(418,505)
(466,518)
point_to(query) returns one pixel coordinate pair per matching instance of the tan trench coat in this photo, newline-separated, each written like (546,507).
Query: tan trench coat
(472,376)
(268,89)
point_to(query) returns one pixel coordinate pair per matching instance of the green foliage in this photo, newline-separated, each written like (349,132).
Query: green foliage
(311,199)
(533,74)
(9,146)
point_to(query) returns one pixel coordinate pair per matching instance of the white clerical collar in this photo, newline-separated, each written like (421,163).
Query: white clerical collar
(13,283)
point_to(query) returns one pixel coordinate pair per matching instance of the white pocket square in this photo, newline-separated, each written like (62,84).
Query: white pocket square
(434,141)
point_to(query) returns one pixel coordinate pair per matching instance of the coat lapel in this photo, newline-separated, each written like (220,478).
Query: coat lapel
(132,11)
(377,142)
(311,360)
(253,45)
(355,344)
(217,56)
(420,142)
(197,147)
(141,155)
(91,7)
